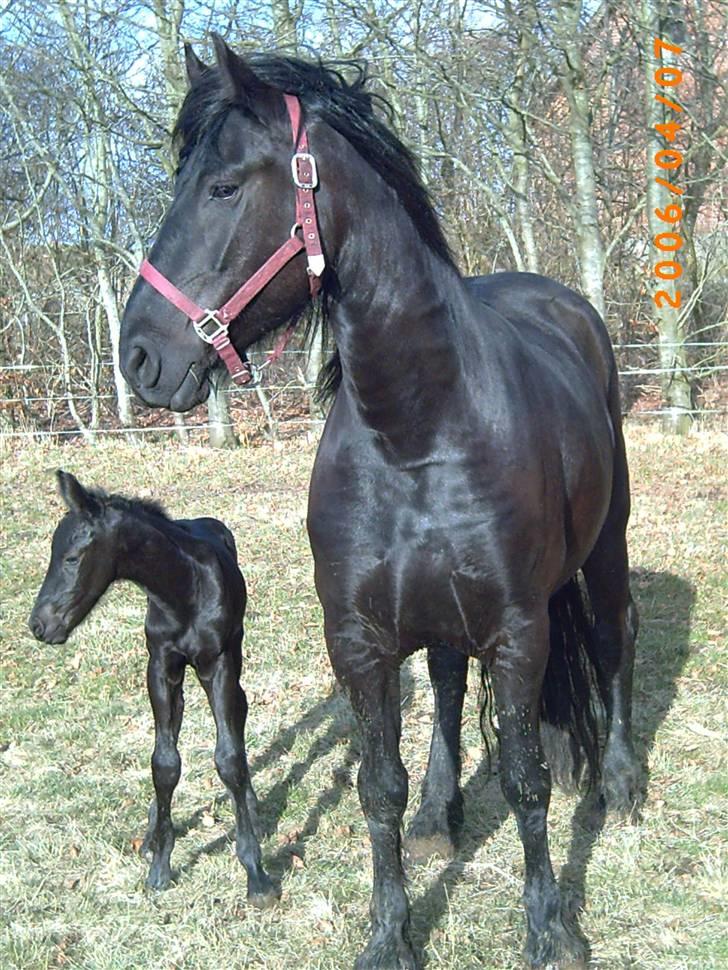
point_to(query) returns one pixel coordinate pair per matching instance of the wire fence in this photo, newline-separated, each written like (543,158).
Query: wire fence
(285,406)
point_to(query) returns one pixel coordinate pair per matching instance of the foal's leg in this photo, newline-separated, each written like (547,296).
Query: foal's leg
(435,827)
(230,708)
(606,572)
(165,674)
(373,688)
(517,674)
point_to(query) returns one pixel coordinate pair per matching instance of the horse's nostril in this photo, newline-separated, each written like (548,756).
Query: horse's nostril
(143,366)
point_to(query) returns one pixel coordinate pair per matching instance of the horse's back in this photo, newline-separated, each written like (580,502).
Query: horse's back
(546,312)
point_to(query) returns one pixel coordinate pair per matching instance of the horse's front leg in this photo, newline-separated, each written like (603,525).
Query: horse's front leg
(165,675)
(229,708)
(373,687)
(518,672)
(435,827)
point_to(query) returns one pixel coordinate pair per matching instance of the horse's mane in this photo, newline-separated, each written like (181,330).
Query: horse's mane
(346,105)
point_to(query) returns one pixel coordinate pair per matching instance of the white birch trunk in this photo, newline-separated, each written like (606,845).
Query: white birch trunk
(590,245)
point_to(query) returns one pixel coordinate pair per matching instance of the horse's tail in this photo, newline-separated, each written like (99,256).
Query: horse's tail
(572,697)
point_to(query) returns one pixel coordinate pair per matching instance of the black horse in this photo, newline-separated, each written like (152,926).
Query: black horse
(471,465)
(196,602)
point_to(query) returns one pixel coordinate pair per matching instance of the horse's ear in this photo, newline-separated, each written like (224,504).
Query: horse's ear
(195,67)
(75,496)
(239,82)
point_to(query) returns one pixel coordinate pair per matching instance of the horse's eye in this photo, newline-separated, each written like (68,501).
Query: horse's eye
(70,560)
(224,191)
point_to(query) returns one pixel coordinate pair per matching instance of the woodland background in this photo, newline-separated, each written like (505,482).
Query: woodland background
(534,123)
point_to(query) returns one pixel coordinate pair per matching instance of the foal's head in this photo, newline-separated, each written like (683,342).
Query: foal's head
(83,562)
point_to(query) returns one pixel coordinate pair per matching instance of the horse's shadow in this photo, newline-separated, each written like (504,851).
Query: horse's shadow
(665,603)
(333,710)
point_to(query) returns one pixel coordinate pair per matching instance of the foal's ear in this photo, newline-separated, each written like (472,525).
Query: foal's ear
(239,82)
(75,495)
(195,67)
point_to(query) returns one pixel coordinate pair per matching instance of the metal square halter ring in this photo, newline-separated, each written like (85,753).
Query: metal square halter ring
(210,337)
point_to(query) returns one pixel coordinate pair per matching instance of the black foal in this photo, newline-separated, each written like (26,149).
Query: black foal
(196,602)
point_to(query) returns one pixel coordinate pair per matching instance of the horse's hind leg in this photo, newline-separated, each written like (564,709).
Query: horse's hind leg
(606,572)
(517,675)
(435,827)
(165,675)
(229,708)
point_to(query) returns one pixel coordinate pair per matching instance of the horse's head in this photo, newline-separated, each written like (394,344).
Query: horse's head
(81,566)
(234,204)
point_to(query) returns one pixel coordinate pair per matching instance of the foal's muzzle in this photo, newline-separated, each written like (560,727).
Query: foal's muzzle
(47,626)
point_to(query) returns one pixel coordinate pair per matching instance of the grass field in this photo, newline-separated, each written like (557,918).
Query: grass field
(76,731)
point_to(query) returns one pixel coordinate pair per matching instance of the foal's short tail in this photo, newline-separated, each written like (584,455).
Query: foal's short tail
(572,698)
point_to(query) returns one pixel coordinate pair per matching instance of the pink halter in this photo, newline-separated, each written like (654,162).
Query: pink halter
(212,325)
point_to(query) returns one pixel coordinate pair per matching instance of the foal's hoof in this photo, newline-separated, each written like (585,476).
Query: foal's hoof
(266,899)
(145,850)
(158,880)
(419,849)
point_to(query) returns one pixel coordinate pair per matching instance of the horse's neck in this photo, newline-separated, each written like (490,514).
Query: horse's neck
(397,313)
(152,559)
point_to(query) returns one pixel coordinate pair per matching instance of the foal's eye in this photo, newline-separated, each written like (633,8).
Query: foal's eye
(225,191)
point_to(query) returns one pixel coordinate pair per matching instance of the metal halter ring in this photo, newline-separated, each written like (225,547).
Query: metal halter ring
(305,157)
(209,336)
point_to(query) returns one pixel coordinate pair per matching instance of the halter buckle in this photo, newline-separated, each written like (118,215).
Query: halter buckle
(304,158)
(210,336)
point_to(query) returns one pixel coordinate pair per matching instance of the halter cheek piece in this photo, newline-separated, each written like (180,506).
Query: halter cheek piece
(212,325)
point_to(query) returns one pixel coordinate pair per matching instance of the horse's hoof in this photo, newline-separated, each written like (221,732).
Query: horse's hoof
(621,795)
(387,955)
(419,849)
(558,948)
(573,964)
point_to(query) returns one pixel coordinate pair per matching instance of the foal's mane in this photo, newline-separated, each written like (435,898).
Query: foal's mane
(347,106)
(132,506)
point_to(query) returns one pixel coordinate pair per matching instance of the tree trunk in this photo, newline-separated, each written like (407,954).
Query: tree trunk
(517,134)
(221,434)
(590,245)
(671,322)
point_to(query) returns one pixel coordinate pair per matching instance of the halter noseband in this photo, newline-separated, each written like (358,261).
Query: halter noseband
(212,325)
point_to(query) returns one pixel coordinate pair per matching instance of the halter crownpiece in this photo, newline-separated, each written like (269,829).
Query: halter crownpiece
(212,325)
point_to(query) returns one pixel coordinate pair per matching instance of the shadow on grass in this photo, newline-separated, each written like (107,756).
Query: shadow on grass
(665,604)
(335,710)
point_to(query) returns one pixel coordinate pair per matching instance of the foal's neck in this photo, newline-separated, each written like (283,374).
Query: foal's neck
(151,556)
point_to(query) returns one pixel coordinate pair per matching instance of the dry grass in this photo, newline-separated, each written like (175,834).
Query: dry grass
(75,738)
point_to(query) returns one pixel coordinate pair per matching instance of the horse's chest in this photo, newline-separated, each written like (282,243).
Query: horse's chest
(416,561)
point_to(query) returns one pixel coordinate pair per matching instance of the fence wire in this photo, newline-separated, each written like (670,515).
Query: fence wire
(45,405)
